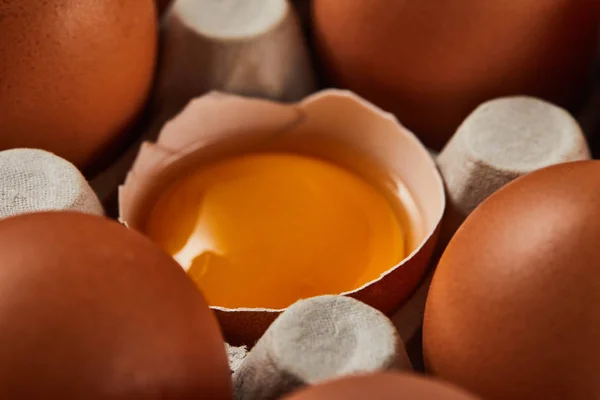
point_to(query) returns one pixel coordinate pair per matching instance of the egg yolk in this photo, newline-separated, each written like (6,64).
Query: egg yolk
(265,230)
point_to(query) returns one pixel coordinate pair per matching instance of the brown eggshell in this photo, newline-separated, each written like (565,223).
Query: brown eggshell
(432,62)
(382,386)
(92,310)
(333,125)
(75,74)
(512,311)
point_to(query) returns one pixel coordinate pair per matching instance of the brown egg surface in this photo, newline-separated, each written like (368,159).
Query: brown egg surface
(512,311)
(92,310)
(382,386)
(74,74)
(432,62)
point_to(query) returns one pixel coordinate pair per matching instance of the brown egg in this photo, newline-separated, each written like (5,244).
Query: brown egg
(74,74)
(382,386)
(512,312)
(92,310)
(432,62)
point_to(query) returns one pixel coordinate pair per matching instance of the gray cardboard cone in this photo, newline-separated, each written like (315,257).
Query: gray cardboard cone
(252,48)
(501,140)
(35,180)
(236,356)
(315,340)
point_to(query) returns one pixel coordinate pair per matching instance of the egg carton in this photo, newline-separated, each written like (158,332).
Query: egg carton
(501,140)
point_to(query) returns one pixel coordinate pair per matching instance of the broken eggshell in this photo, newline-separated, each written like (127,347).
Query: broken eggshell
(334,125)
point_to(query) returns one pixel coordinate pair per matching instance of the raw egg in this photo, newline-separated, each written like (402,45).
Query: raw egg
(431,62)
(279,201)
(512,311)
(264,230)
(74,74)
(382,386)
(92,310)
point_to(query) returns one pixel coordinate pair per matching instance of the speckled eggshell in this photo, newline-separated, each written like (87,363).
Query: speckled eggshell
(512,311)
(431,62)
(92,310)
(382,386)
(74,74)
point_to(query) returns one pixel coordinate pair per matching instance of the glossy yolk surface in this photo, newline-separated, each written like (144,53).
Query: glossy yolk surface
(264,230)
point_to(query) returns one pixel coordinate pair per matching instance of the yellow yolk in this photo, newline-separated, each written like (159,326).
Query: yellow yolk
(264,230)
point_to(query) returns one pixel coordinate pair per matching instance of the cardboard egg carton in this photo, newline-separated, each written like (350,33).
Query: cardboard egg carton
(501,140)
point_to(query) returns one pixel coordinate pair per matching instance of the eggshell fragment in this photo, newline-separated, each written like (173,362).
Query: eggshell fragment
(92,310)
(431,64)
(512,311)
(315,340)
(333,125)
(501,140)
(254,48)
(74,74)
(35,180)
(382,386)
